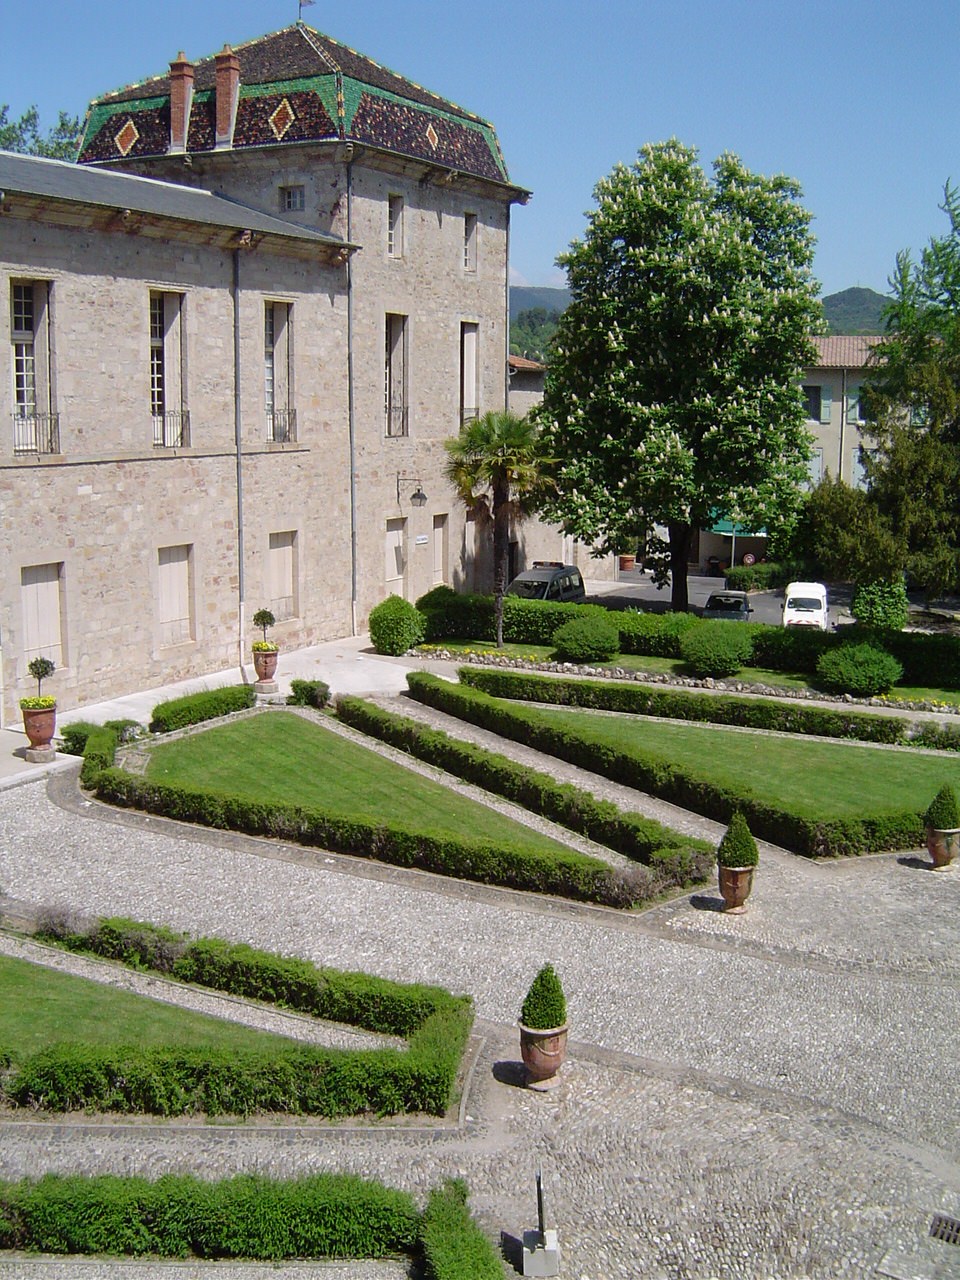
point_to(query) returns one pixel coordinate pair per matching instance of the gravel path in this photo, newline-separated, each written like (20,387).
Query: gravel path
(774,1096)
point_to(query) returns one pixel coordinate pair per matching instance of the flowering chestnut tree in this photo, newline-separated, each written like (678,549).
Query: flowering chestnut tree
(673,391)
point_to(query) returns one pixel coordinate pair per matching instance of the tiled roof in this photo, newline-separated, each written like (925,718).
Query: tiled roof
(331,91)
(845,352)
(522,365)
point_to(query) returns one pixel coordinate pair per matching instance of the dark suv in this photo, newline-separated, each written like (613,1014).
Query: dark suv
(549,580)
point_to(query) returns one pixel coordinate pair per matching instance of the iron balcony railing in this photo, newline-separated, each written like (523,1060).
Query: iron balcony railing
(396,420)
(171,430)
(282,426)
(36,433)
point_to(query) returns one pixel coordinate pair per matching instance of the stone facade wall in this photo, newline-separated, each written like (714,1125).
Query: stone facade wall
(104,506)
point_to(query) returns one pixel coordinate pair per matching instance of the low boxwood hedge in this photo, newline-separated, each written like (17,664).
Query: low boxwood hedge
(634,699)
(566,873)
(327,1215)
(675,860)
(178,713)
(302,1080)
(830,837)
(454,1247)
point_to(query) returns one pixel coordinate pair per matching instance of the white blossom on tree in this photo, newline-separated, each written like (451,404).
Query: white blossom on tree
(673,391)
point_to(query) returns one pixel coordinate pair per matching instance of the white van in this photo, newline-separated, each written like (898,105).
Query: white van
(805,605)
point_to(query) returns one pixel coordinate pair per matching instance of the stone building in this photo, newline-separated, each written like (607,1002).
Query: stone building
(834,411)
(240,332)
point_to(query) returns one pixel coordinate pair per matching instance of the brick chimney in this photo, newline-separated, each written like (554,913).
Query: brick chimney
(181,100)
(228,93)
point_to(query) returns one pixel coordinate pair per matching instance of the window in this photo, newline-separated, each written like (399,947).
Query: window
(394,226)
(41,597)
(815,468)
(469,242)
(282,575)
(292,199)
(395,560)
(175,594)
(440,554)
(171,419)
(818,403)
(395,376)
(36,428)
(856,410)
(281,416)
(858,472)
(469,372)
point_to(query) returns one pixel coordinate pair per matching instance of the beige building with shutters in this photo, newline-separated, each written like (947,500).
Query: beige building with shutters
(240,331)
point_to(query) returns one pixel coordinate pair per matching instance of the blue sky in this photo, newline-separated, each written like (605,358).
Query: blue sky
(860,101)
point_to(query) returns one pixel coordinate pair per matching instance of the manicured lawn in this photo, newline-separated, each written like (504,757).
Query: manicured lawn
(283,758)
(41,1007)
(814,779)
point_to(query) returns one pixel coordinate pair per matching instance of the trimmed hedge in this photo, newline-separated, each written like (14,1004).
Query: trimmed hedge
(586,640)
(308,693)
(395,626)
(536,621)
(831,837)
(454,1247)
(99,751)
(674,859)
(178,713)
(565,873)
(655,635)
(862,670)
(448,615)
(717,648)
(302,1080)
(752,713)
(327,1215)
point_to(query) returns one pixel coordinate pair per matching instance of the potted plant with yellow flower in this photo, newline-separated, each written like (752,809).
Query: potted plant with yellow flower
(40,714)
(266,653)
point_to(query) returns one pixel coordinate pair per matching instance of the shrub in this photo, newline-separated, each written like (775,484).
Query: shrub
(536,621)
(99,751)
(738,847)
(74,736)
(178,713)
(454,1247)
(881,604)
(246,1216)
(858,669)
(717,648)
(309,693)
(395,626)
(586,640)
(943,813)
(264,619)
(448,615)
(544,1005)
(656,635)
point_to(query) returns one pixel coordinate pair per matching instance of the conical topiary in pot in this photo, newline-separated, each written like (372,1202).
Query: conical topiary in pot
(942,821)
(543,1029)
(737,858)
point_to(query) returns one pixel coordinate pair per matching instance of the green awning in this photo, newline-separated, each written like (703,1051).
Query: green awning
(728,527)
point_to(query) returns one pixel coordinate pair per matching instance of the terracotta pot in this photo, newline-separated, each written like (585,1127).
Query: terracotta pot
(40,726)
(543,1052)
(265,664)
(943,844)
(735,886)
(627,563)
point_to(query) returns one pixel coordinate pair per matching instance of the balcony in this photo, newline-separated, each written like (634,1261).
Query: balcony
(171,430)
(36,433)
(396,420)
(282,426)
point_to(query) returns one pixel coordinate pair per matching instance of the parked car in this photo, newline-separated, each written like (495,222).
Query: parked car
(731,605)
(805,605)
(549,580)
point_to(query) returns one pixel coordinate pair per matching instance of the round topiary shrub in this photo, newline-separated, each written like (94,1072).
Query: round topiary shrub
(881,604)
(395,626)
(943,813)
(738,847)
(862,670)
(717,648)
(586,640)
(545,1005)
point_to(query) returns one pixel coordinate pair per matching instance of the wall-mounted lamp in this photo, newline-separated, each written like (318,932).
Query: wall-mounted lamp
(418,497)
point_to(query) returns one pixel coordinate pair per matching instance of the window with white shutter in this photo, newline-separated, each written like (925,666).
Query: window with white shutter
(175,603)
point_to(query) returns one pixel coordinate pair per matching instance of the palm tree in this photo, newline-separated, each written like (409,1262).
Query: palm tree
(498,466)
